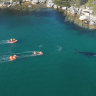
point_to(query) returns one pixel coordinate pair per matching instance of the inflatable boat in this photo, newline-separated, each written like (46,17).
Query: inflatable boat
(14,41)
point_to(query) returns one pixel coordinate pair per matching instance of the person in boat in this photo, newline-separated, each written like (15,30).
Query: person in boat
(13,39)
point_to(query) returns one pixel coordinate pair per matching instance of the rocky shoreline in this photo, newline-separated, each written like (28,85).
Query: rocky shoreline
(26,6)
(80,16)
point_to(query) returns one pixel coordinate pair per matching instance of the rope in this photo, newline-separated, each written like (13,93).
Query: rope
(59,52)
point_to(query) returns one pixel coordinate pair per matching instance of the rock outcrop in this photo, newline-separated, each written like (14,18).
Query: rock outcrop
(80,16)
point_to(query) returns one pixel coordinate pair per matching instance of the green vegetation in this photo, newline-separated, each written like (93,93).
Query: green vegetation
(78,3)
(9,0)
(62,3)
(68,3)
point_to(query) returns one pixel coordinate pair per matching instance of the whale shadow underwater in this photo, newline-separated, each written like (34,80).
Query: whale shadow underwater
(89,54)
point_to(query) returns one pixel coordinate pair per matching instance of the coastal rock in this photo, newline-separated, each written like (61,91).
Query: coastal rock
(66,19)
(92,23)
(14,3)
(3,4)
(23,1)
(87,10)
(35,1)
(60,10)
(42,1)
(18,2)
(83,17)
(28,0)
(73,10)
(10,1)
(68,11)
(85,22)
(65,12)
(92,27)
(79,11)
(76,21)
(8,5)
(85,26)
(81,24)
(64,8)
(59,7)
(0,5)
(71,18)
(50,3)
(29,6)
(55,6)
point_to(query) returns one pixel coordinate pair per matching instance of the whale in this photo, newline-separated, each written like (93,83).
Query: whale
(85,53)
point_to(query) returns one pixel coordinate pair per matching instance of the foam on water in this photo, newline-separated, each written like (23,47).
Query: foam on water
(40,45)
(6,58)
(4,42)
(25,52)
(59,48)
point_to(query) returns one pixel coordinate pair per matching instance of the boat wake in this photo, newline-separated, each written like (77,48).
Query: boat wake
(26,54)
(40,45)
(4,58)
(59,48)
(4,42)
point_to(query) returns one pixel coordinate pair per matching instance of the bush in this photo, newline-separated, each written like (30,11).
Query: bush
(62,3)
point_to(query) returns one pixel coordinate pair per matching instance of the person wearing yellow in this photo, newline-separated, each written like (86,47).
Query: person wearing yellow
(13,38)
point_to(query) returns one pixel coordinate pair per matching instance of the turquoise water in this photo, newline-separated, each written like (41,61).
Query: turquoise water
(59,72)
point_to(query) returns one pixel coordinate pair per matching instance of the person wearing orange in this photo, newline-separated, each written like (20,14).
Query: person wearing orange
(40,52)
(11,58)
(35,53)
(14,57)
(13,39)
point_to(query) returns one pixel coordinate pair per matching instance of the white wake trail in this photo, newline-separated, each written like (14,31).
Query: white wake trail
(4,42)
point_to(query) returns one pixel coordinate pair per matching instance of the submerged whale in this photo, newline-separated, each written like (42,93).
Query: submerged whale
(86,53)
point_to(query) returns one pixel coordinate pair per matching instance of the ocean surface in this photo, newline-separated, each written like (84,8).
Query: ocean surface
(59,71)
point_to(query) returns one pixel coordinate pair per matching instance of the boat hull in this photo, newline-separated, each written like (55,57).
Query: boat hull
(13,41)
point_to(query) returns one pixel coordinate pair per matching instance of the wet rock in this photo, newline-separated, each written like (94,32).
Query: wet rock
(59,7)
(50,3)
(76,20)
(83,17)
(92,27)
(29,6)
(73,10)
(64,8)
(92,23)
(55,6)
(85,22)
(36,1)
(66,19)
(79,11)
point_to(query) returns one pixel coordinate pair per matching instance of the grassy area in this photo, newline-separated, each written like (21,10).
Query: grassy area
(9,0)
(62,3)
(78,3)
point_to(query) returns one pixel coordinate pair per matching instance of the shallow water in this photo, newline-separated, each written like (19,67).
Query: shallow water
(59,72)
